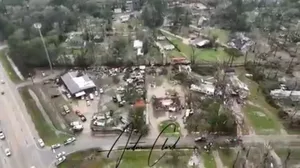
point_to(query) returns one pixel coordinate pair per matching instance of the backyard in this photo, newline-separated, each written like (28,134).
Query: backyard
(207,54)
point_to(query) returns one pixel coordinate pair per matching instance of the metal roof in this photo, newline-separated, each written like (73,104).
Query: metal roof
(76,84)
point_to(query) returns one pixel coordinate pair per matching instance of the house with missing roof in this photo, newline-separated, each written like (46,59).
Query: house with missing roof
(78,85)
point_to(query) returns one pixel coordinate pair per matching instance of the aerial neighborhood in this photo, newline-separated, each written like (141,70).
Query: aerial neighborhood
(204,84)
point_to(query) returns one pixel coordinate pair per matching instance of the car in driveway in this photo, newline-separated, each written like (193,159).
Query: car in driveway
(2,136)
(41,143)
(61,154)
(69,140)
(7,152)
(55,146)
(60,160)
(80,115)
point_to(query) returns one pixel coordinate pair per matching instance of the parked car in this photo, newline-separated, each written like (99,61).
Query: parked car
(88,103)
(80,115)
(2,136)
(91,96)
(201,139)
(96,93)
(55,96)
(101,91)
(69,140)
(69,96)
(59,155)
(60,160)
(7,152)
(55,146)
(41,143)
(66,110)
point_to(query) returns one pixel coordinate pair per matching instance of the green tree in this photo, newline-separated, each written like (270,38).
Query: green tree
(137,118)
(153,13)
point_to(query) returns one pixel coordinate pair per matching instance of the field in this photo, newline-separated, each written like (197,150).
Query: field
(130,159)
(45,131)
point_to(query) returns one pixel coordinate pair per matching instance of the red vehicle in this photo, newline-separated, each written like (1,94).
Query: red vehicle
(80,115)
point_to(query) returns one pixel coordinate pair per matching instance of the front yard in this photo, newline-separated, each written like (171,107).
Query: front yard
(261,114)
(170,130)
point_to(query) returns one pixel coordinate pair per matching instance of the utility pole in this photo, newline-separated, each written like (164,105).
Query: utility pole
(38,26)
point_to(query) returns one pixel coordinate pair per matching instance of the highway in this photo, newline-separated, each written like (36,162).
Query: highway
(19,137)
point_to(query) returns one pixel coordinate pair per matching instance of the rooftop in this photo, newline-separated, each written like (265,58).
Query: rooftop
(77,83)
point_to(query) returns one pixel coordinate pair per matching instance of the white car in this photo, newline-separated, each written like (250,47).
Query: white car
(2,136)
(60,160)
(55,146)
(69,140)
(96,93)
(7,152)
(61,154)
(88,103)
(69,96)
(101,91)
(41,143)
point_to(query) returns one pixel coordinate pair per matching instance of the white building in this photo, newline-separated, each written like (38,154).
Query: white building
(283,94)
(137,44)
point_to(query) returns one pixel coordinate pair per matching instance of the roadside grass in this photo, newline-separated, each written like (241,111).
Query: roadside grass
(8,68)
(138,158)
(257,98)
(209,160)
(170,130)
(227,156)
(43,128)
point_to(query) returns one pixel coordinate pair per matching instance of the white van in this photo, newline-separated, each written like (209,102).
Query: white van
(91,96)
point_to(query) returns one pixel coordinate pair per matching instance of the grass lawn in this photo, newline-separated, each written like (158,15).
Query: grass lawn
(262,122)
(227,156)
(170,130)
(8,68)
(131,159)
(258,98)
(209,160)
(44,129)
(201,54)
